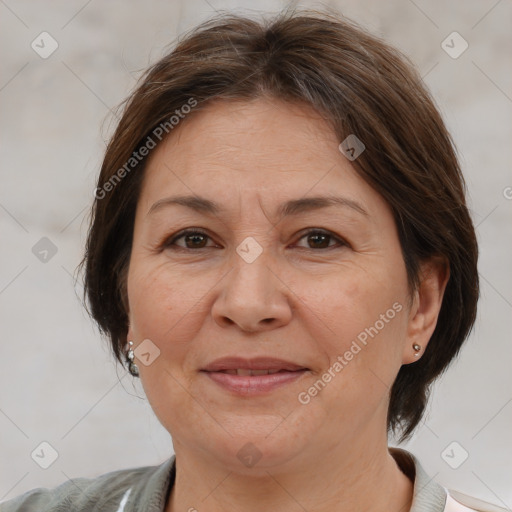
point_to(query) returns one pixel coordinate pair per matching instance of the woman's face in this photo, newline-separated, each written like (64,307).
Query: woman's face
(319,288)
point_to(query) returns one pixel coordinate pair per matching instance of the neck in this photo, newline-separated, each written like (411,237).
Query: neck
(358,476)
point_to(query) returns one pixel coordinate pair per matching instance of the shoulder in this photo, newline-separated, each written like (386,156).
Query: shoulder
(430,495)
(459,502)
(105,492)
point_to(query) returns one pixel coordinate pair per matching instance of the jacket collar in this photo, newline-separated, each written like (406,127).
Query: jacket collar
(429,496)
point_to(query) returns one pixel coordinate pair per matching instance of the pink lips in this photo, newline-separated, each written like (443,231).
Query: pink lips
(253,376)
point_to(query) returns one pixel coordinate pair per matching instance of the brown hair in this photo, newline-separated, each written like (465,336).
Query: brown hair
(361,86)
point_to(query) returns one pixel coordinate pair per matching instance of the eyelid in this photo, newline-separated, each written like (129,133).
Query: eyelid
(170,241)
(309,231)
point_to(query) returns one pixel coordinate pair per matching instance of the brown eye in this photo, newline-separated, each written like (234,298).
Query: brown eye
(319,239)
(197,239)
(194,239)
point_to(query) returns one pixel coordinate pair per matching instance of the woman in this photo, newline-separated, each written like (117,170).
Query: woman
(280,249)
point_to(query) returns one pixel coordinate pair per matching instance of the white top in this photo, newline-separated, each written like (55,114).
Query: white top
(456,505)
(429,496)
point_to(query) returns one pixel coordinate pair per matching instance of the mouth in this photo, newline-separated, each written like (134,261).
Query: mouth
(253,376)
(247,371)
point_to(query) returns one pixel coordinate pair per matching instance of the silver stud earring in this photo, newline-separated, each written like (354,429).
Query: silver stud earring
(417,349)
(130,356)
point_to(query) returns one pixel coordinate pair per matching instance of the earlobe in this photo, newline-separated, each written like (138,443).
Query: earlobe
(428,299)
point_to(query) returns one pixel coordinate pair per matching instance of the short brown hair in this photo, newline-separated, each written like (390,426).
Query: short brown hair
(361,86)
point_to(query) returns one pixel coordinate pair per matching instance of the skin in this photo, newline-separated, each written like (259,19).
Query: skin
(299,301)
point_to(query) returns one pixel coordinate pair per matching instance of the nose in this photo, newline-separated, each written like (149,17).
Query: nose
(253,297)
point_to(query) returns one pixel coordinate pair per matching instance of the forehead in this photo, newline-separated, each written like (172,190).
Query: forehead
(268,130)
(265,148)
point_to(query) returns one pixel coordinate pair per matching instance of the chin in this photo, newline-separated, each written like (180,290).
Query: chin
(259,444)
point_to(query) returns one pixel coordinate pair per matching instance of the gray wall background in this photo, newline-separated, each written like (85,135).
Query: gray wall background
(58,382)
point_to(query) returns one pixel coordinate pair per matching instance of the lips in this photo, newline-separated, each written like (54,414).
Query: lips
(236,364)
(253,376)
(246,371)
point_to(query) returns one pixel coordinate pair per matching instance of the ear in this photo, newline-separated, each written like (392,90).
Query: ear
(426,304)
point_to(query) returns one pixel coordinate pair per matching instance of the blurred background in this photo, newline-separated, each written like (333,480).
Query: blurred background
(65,65)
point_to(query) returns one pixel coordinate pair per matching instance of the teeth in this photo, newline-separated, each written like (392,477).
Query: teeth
(246,372)
(260,372)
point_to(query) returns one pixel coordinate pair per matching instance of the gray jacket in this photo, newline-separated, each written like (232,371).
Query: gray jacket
(147,488)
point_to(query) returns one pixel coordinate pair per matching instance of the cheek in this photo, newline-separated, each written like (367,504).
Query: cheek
(365,319)
(158,312)
(159,299)
(162,310)
(356,301)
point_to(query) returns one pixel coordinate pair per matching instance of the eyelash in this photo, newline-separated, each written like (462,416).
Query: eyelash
(168,243)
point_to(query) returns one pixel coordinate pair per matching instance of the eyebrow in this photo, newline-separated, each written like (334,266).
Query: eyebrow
(289,208)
